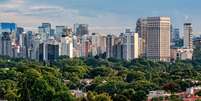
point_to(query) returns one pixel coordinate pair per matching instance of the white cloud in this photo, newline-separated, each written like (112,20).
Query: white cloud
(12,4)
(30,16)
(43,9)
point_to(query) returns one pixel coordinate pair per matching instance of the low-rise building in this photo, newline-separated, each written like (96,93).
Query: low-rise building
(181,54)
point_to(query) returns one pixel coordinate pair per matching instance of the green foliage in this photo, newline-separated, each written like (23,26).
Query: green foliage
(112,79)
(197,54)
(8,90)
(30,81)
(93,96)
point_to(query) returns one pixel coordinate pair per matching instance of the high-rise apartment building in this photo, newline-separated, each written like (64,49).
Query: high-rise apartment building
(188,34)
(118,47)
(130,46)
(103,44)
(110,41)
(85,46)
(66,46)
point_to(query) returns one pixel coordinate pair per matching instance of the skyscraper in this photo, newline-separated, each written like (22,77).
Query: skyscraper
(85,46)
(66,46)
(60,31)
(8,27)
(47,27)
(118,47)
(158,38)
(24,45)
(94,44)
(34,52)
(110,39)
(141,29)
(49,50)
(81,29)
(176,34)
(188,34)
(7,38)
(5,44)
(130,46)
(19,31)
(44,31)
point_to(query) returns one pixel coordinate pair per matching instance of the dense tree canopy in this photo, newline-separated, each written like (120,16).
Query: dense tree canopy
(112,79)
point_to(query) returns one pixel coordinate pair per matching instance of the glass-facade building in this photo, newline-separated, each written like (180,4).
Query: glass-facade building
(8,27)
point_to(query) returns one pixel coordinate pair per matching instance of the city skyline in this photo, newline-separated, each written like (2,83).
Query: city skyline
(102,15)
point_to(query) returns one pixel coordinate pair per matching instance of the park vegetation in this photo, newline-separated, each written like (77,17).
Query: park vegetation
(112,79)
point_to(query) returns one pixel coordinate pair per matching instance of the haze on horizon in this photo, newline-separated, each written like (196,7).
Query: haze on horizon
(104,16)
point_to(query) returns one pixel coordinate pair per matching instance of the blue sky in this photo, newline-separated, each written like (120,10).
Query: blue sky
(104,16)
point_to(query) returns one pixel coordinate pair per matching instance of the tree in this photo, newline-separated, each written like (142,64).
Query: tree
(102,71)
(175,98)
(8,90)
(134,76)
(171,86)
(140,96)
(118,97)
(42,84)
(197,53)
(93,96)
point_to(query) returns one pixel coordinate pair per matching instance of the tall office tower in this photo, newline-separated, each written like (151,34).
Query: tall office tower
(60,31)
(175,38)
(44,31)
(66,46)
(10,28)
(81,29)
(47,27)
(7,38)
(85,46)
(42,34)
(5,44)
(49,50)
(188,34)
(130,46)
(158,38)
(19,31)
(52,32)
(23,45)
(29,37)
(110,40)
(141,29)
(34,52)
(176,35)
